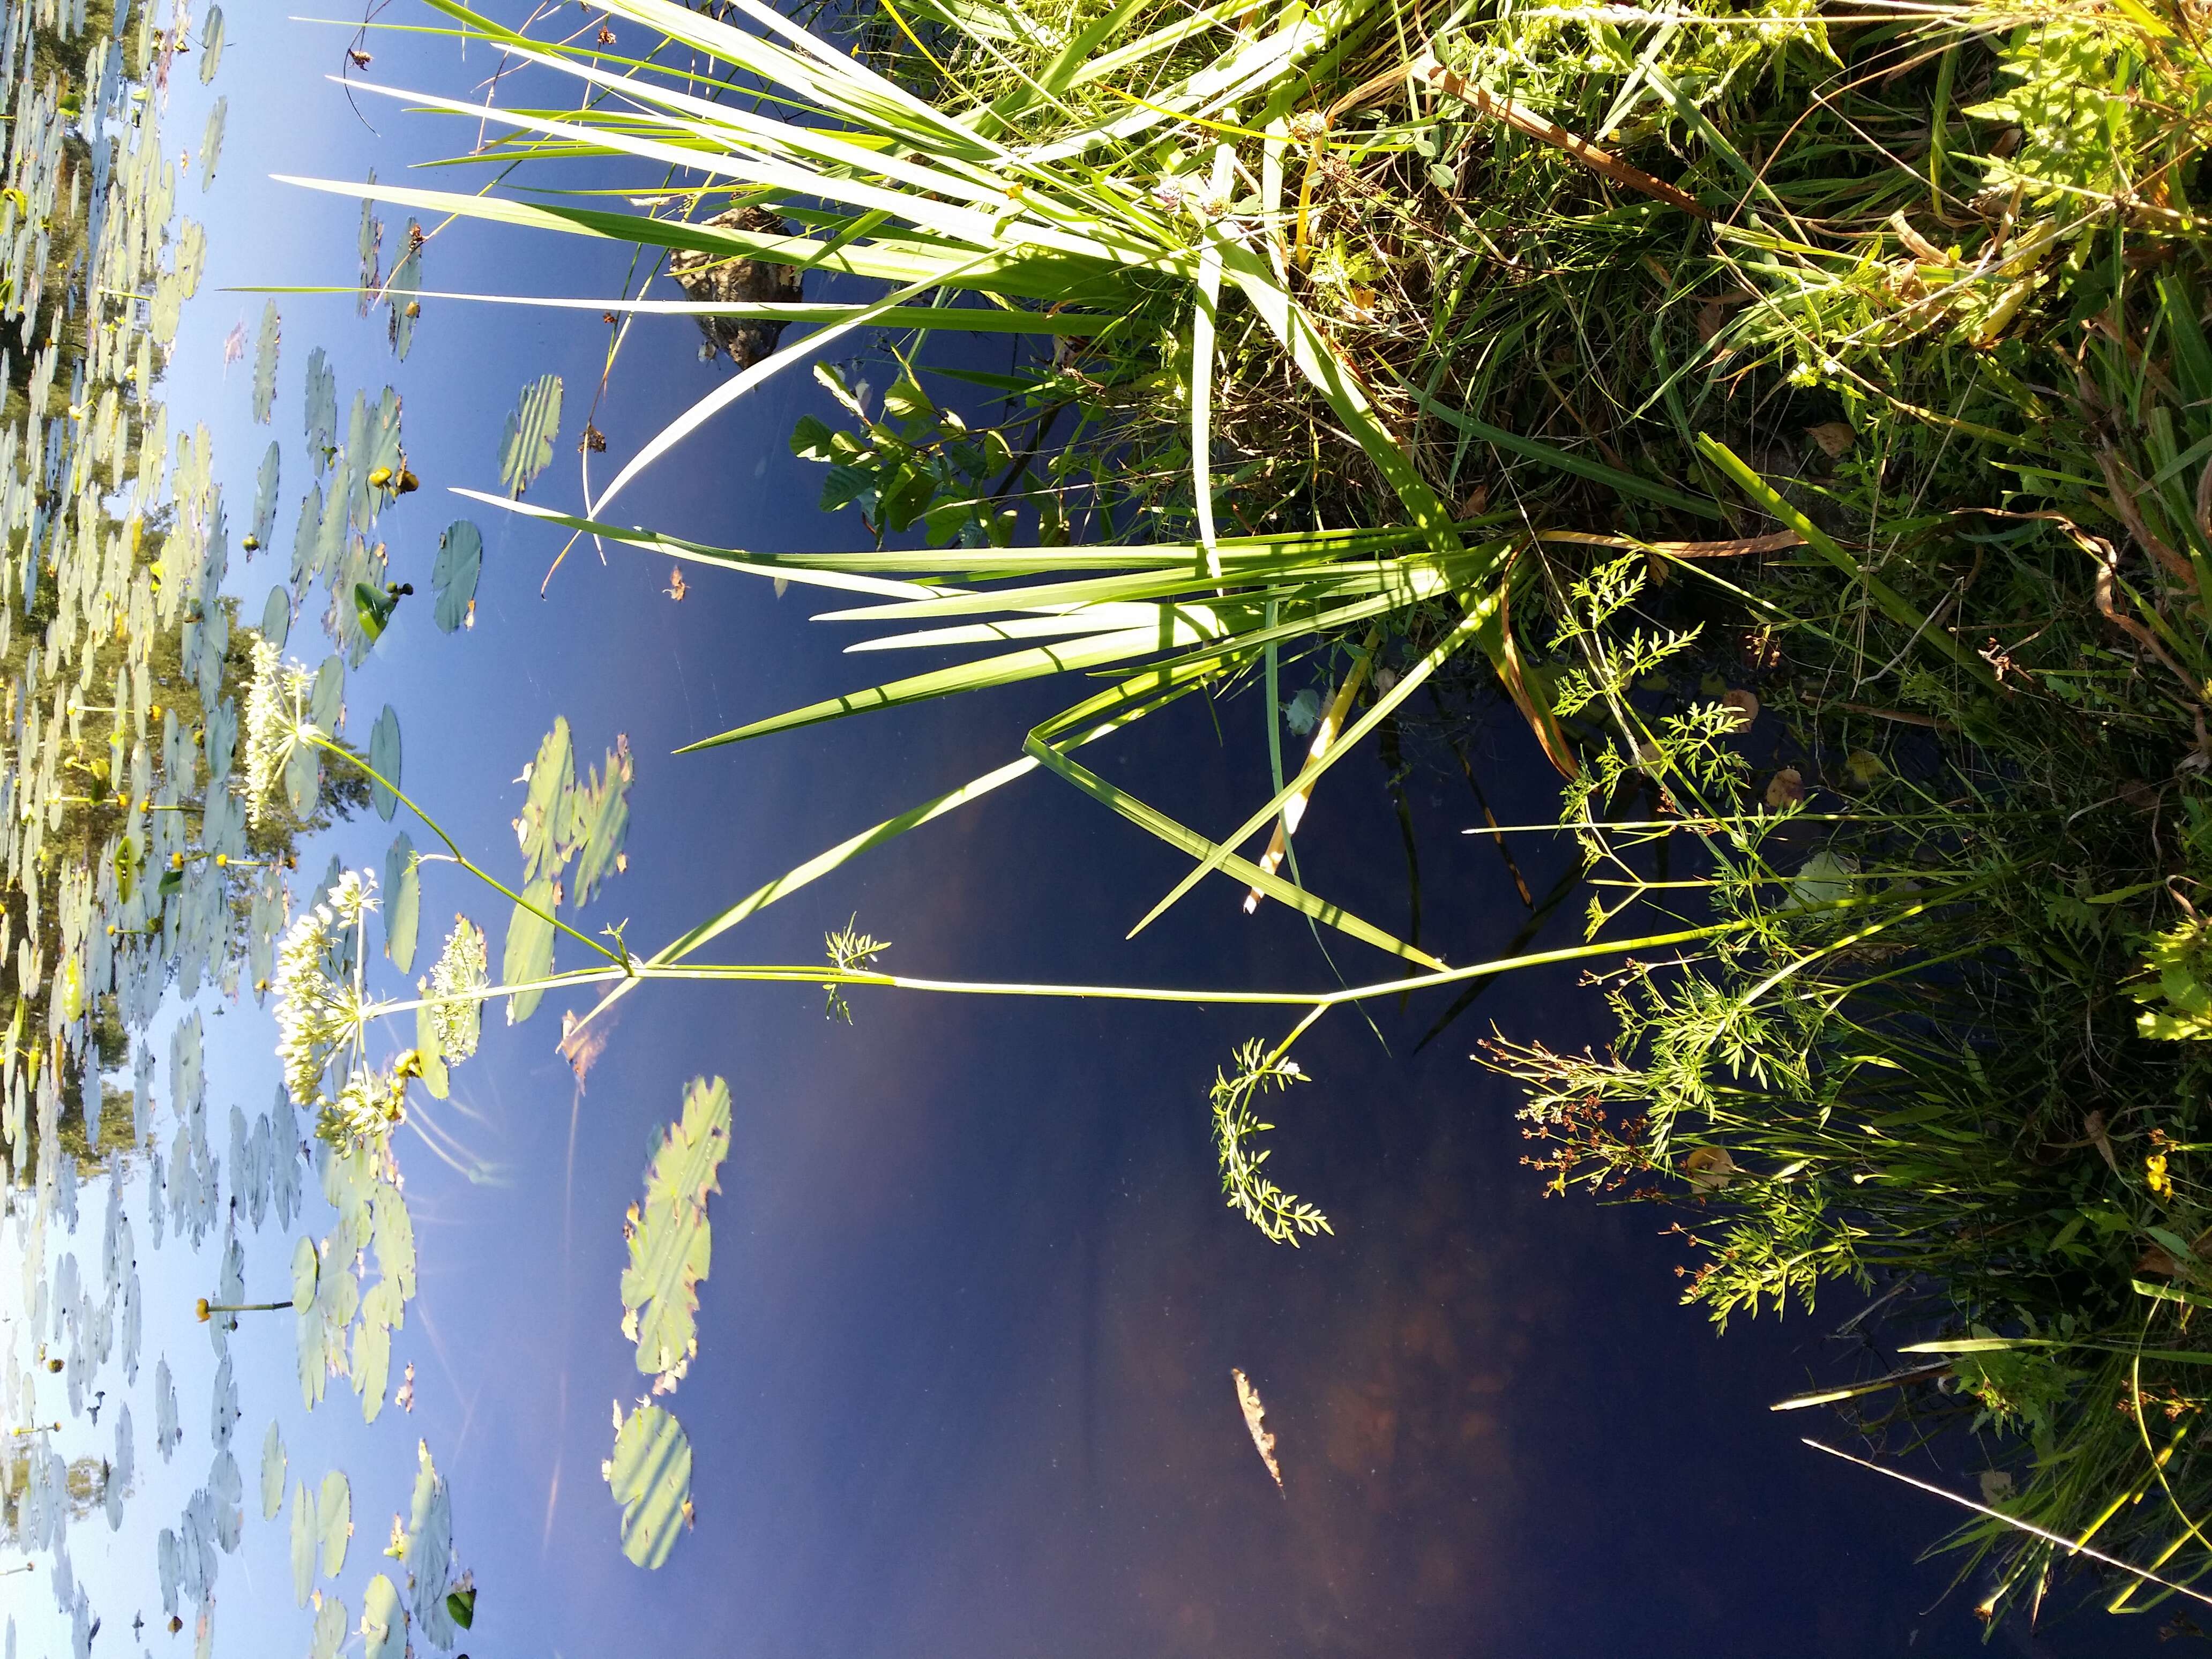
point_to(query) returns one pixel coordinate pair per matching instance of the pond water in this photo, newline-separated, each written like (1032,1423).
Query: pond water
(963,1378)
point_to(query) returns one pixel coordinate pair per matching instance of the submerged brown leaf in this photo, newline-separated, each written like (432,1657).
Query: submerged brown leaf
(1255,1420)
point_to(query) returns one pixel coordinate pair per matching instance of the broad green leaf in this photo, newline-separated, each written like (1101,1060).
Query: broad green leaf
(384,761)
(669,1239)
(529,954)
(426,1550)
(334,1521)
(272,1472)
(547,819)
(599,822)
(383,1621)
(453,577)
(306,1537)
(210,45)
(650,1474)
(264,496)
(320,409)
(403,902)
(526,448)
(327,701)
(331,1628)
(266,346)
(437,1077)
(381,1310)
(211,141)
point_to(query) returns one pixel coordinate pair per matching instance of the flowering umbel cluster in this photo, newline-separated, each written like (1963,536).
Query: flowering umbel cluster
(459,974)
(321,1010)
(276,723)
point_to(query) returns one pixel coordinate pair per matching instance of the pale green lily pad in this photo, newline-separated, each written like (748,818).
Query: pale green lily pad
(334,1521)
(211,141)
(305,1537)
(547,814)
(453,577)
(526,448)
(331,1625)
(529,954)
(403,902)
(1823,879)
(384,760)
(211,45)
(272,1472)
(265,348)
(383,1621)
(427,1549)
(670,1242)
(650,1474)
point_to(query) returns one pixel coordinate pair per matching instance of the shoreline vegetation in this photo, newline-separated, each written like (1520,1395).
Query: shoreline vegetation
(1802,411)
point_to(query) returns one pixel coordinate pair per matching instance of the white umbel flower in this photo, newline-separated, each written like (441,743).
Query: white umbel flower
(276,723)
(460,972)
(319,1009)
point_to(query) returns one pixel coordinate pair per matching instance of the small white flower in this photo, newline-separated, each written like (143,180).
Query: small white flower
(460,972)
(319,1008)
(276,723)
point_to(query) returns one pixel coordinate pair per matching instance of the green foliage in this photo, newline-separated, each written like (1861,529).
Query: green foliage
(650,1474)
(1283,1217)
(525,447)
(671,1240)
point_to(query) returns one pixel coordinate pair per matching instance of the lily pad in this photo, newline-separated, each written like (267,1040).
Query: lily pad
(403,888)
(529,954)
(331,1625)
(304,1543)
(272,1472)
(383,1621)
(265,345)
(670,1239)
(453,577)
(334,1521)
(650,1474)
(526,448)
(211,141)
(384,761)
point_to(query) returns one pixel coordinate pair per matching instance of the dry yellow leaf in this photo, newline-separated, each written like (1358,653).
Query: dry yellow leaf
(1256,1419)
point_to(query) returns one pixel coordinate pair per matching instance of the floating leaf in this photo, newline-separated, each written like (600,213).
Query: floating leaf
(402,292)
(211,141)
(321,409)
(305,1534)
(670,1239)
(650,1474)
(403,891)
(210,45)
(265,497)
(384,761)
(331,1629)
(453,577)
(599,823)
(526,448)
(1255,1424)
(547,817)
(427,1549)
(529,954)
(265,363)
(272,1471)
(327,700)
(334,1521)
(383,1621)
(277,618)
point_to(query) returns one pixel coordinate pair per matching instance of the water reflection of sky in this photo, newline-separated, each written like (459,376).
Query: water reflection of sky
(963,1380)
